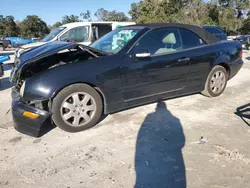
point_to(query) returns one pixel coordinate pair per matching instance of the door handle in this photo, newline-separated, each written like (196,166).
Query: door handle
(183,59)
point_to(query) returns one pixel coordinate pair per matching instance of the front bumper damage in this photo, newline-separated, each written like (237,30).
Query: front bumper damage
(24,124)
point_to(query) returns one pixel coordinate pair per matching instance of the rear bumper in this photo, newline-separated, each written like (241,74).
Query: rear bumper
(24,124)
(235,67)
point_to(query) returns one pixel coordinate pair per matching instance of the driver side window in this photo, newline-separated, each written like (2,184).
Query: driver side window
(160,41)
(78,34)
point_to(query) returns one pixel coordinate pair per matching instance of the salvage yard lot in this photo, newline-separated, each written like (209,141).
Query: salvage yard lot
(141,147)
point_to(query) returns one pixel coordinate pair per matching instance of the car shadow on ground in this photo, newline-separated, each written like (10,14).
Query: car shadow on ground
(5,83)
(49,126)
(244,113)
(158,159)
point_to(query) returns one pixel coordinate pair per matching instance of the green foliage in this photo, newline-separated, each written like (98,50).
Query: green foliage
(33,26)
(229,14)
(245,29)
(86,15)
(135,11)
(101,15)
(70,19)
(57,24)
(104,15)
(8,26)
(67,19)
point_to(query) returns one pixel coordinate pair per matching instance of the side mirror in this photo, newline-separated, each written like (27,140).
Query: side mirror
(142,55)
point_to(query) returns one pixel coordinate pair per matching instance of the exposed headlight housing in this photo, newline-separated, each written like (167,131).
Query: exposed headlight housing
(22,89)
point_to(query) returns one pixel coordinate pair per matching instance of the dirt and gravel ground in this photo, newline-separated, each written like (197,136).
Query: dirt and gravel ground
(156,145)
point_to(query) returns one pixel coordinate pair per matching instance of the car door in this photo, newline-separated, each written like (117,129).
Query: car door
(156,65)
(201,56)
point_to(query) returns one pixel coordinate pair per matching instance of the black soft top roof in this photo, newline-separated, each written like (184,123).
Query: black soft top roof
(202,33)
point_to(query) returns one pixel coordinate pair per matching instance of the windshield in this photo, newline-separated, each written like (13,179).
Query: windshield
(53,34)
(114,41)
(77,34)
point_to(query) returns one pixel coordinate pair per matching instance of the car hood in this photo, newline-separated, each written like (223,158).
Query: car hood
(31,58)
(50,48)
(32,45)
(42,51)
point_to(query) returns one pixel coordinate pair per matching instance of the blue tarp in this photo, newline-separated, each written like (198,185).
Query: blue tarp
(7,53)
(4,58)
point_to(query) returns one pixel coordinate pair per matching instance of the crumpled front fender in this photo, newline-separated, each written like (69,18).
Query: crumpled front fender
(46,85)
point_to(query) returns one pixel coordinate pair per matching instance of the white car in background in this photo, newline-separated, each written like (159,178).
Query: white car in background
(80,32)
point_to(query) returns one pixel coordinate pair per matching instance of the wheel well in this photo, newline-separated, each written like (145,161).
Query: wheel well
(226,66)
(91,85)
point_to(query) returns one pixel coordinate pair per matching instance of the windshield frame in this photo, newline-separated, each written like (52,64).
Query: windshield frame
(58,28)
(127,46)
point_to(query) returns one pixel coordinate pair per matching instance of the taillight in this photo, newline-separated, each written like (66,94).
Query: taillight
(241,53)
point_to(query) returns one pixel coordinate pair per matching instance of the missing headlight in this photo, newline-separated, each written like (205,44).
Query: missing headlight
(40,104)
(22,89)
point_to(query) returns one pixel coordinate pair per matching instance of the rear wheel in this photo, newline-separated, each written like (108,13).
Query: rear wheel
(216,82)
(77,108)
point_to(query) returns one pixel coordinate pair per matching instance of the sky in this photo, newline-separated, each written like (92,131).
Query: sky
(52,11)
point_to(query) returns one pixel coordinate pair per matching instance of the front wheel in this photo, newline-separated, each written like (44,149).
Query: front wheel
(216,82)
(77,108)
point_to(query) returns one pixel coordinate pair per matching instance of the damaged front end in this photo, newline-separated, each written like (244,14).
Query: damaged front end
(28,118)
(31,101)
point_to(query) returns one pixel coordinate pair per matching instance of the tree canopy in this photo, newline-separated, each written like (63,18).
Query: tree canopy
(104,15)
(228,14)
(100,15)
(8,26)
(33,26)
(231,15)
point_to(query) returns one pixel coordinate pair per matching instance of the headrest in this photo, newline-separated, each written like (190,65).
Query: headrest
(169,39)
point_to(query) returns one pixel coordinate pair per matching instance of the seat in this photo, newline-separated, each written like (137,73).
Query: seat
(169,40)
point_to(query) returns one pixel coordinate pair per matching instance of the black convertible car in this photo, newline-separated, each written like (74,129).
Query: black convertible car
(72,85)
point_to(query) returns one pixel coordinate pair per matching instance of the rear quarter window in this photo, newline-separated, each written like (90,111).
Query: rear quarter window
(214,30)
(190,39)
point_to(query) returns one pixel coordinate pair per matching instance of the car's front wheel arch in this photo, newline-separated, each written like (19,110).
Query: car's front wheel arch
(77,107)
(100,92)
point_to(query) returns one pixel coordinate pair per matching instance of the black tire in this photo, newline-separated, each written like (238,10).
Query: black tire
(1,47)
(63,94)
(207,89)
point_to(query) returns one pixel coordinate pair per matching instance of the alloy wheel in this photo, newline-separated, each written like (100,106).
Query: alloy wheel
(78,109)
(218,82)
